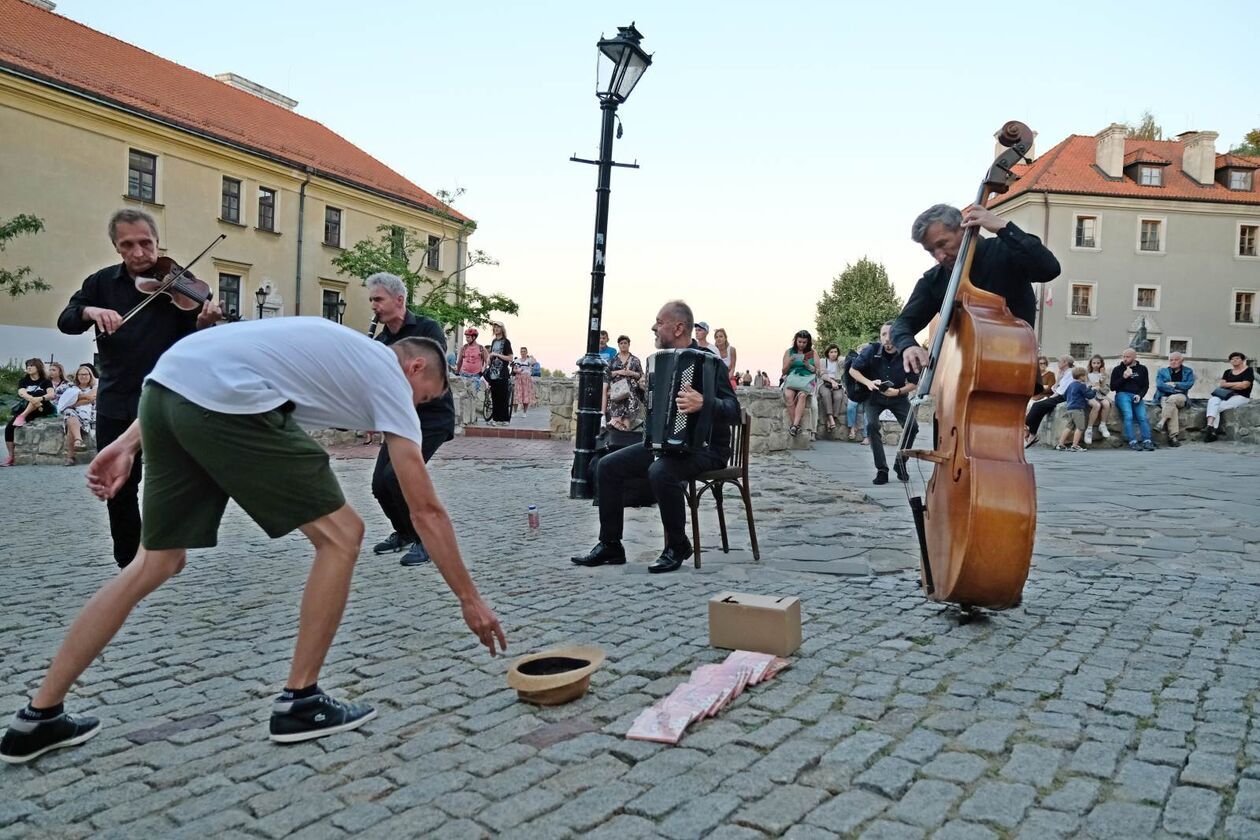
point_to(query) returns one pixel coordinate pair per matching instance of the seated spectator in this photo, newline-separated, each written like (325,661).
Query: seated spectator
(57,376)
(77,407)
(1130,382)
(1101,404)
(800,378)
(33,389)
(1172,392)
(829,395)
(1048,403)
(1045,377)
(1233,390)
(1076,401)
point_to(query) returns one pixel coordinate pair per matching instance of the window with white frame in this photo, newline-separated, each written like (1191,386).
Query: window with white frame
(1244,307)
(1240,179)
(1080,350)
(142,176)
(1179,345)
(1247,236)
(1083,300)
(1151,176)
(1151,235)
(1146,297)
(1086,233)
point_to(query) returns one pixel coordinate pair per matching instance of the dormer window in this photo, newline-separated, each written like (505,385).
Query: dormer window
(1240,179)
(1150,176)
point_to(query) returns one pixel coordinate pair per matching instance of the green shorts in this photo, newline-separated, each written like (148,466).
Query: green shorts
(196,459)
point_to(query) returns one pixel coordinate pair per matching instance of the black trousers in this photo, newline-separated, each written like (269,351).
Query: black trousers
(666,475)
(1039,411)
(388,491)
(124,508)
(875,405)
(499,408)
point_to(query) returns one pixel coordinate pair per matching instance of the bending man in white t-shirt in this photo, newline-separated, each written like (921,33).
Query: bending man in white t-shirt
(219,418)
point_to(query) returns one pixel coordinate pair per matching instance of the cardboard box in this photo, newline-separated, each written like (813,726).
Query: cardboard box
(761,623)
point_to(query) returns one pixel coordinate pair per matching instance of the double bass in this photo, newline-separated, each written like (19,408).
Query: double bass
(977,517)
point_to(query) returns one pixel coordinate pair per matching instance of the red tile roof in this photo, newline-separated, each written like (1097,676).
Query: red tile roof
(1145,155)
(58,50)
(1070,168)
(1237,162)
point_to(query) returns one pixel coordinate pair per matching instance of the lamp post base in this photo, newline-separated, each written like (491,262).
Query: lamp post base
(591,370)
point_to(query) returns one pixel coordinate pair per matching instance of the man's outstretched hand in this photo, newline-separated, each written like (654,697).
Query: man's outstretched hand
(484,624)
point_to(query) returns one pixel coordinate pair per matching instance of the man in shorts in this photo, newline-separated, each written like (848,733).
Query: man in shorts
(219,418)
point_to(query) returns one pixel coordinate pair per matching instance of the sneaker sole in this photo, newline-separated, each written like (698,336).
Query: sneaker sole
(296,737)
(73,742)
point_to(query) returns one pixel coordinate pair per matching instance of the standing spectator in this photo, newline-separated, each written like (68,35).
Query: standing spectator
(1042,407)
(1238,379)
(57,376)
(702,336)
(472,357)
(881,368)
(830,392)
(854,407)
(761,380)
(77,407)
(623,402)
(747,379)
(725,352)
(800,377)
(1130,382)
(34,389)
(1076,402)
(604,350)
(1100,406)
(523,371)
(1172,390)
(497,372)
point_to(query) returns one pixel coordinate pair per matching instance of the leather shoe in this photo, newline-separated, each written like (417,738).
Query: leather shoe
(670,559)
(899,467)
(881,477)
(603,554)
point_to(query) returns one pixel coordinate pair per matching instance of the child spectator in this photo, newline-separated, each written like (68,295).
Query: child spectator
(1076,402)
(1097,378)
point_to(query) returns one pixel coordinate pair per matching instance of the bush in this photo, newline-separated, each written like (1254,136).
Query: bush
(9,376)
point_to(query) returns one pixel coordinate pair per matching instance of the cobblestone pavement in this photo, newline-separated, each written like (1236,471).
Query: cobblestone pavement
(1118,701)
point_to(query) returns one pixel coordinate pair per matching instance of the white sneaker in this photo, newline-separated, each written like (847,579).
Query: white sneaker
(1089,436)
(1102,428)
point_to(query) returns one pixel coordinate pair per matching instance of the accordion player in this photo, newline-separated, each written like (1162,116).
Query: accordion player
(669,372)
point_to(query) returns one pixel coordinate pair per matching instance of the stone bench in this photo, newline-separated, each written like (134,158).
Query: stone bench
(1239,425)
(43,441)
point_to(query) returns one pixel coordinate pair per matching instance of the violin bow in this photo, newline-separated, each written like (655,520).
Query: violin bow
(172,280)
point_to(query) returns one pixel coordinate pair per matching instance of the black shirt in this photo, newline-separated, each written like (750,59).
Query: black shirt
(1139,383)
(875,362)
(436,416)
(1174,374)
(1248,375)
(1007,264)
(127,356)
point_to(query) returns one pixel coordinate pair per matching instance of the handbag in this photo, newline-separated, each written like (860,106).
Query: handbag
(619,391)
(1224,393)
(800,381)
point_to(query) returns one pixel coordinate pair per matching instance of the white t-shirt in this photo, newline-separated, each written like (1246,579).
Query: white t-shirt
(334,376)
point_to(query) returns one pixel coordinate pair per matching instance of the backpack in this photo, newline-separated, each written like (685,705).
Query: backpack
(535,369)
(854,390)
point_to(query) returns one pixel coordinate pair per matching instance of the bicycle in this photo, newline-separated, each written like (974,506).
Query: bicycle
(487,405)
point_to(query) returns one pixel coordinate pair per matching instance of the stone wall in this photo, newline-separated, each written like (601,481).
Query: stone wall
(1241,425)
(43,441)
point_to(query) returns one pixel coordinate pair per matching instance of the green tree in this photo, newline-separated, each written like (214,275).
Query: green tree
(1250,145)
(861,298)
(19,282)
(1147,129)
(446,298)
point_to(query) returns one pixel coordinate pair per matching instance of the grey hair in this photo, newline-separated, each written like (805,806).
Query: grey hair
(130,216)
(681,312)
(1177,353)
(951,217)
(391,283)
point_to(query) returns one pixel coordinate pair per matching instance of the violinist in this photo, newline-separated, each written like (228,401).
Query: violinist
(127,353)
(1007,264)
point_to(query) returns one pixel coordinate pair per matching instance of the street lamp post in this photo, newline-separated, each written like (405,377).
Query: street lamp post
(622,63)
(341,311)
(261,297)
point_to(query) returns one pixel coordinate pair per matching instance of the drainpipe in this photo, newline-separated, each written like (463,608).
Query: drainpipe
(297,292)
(1041,297)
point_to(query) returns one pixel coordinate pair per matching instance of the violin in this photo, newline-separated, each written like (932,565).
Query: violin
(978,516)
(176,282)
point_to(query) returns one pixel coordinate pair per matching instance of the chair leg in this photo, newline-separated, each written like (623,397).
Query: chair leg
(693,500)
(752,529)
(717,497)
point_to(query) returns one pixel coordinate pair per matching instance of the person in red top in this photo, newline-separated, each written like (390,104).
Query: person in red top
(472,357)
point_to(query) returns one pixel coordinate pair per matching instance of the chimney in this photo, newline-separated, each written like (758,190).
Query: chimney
(1110,152)
(1198,156)
(242,83)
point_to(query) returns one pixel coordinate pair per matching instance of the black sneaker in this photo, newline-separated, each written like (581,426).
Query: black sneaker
(28,739)
(899,467)
(315,717)
(881,477)
(390,544)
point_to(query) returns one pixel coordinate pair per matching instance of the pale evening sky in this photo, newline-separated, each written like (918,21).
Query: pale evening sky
(778,142)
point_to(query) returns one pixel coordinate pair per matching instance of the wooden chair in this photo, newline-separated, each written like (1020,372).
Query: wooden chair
(736,472)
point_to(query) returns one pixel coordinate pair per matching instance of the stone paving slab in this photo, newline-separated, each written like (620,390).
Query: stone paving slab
(1118,701)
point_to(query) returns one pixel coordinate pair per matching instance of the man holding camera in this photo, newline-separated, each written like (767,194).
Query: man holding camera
(881,368)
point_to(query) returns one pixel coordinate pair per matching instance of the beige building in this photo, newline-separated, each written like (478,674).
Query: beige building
(1161,232)
(89,124)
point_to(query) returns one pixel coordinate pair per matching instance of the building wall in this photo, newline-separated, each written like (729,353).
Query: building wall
(65,161)
(1197,273)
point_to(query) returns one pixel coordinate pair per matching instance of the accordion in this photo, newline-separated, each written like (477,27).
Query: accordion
(668,372)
